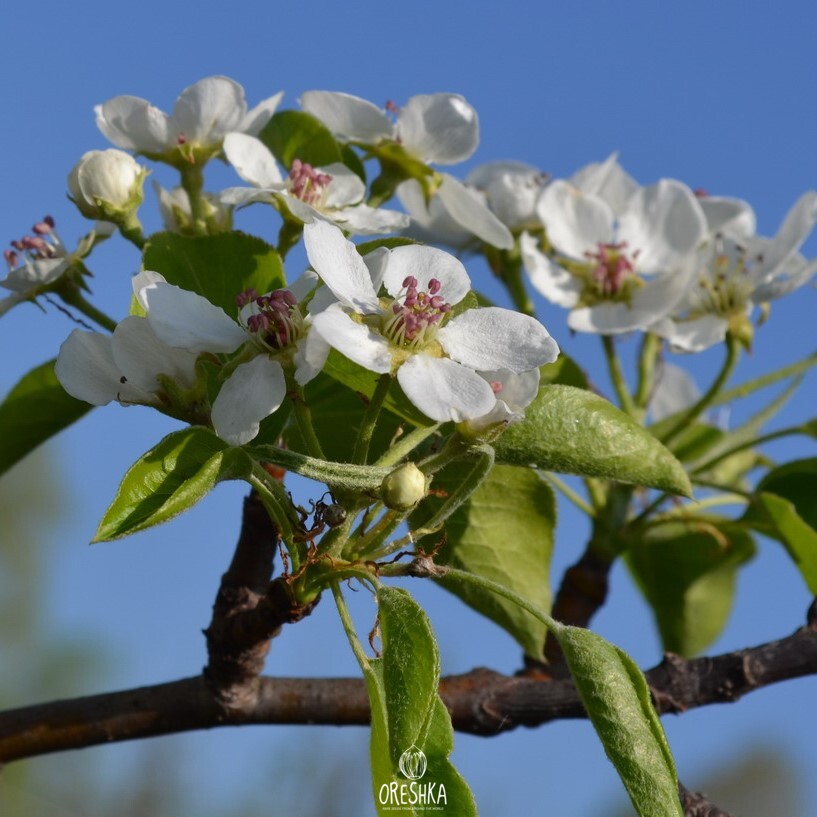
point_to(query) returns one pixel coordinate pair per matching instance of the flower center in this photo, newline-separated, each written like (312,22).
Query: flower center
(725,284)
(306,183)
(43,244)
(413,316)
(613,267)
(274,320)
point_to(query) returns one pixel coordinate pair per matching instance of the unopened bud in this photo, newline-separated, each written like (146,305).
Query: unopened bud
(107,184)
(403,488)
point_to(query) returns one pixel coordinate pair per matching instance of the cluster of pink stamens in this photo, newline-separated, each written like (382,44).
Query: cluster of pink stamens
(613,266)
(416,313)
(275,319)
(36,247)
(306,183)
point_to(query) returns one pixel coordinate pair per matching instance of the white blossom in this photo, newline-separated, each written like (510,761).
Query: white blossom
(333,193)
(436,360)
(734,272)
(615,272)
(272,324)
(106,183)
(203,115)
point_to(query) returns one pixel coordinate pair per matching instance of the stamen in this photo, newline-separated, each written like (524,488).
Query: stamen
(276,322)
(306,183)
(415,313)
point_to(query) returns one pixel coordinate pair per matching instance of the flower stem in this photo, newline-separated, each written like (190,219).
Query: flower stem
(765,438)
(569,494)
(192,179)
(72,296)
(695,411)
(625,399)
(303,416)
(650,347)
(406,444)
(131,228)
(364,434)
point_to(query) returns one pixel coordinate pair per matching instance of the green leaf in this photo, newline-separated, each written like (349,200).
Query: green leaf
(219,267)
(687,571)
(405,706)
(34,410)
(298,135)
(504,532)
(797,482)
(168,480)
(778,518)
(577,432)
(411,668)
(615,694)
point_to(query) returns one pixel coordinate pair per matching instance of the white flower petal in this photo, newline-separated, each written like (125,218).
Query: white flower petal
(303,285)
(252,160)
(354,340)
(441,128)
(243,196)
(339,264)
(310,357)
(444,390)
(209,109)
(733,217)
(795,273)
(376,262)
(141,356)
(432,222)
(364,220)
(86,369)
(468,209)
(548,278)
(253,391)
(663,223)
(608,181)
(143,280)
(346,187)
(425,264)
(253,123)
(348,117)
(134,124)
(189,321)
(575,222)
(496,338)
(796,227)
(517,390)
(693,335)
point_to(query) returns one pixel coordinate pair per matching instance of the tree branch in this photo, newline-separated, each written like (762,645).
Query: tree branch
(248,612)
(481,702)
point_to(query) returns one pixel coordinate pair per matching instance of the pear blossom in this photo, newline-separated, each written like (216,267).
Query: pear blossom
(177,215)
(271,325)
(512,190)
(435,128)
(203,115)
(601,258)
(432,128)
(437,359)
(126,366)
(106,184)
(333,193)
(733,273)
(38,261)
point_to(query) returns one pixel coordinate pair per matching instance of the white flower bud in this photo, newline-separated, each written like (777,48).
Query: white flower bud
(106,184)
(403,488)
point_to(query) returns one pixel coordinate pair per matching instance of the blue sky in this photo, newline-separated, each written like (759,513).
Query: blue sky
(720,95)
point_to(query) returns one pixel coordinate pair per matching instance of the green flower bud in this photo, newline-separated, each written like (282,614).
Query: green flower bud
(107,185)
(403,488)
